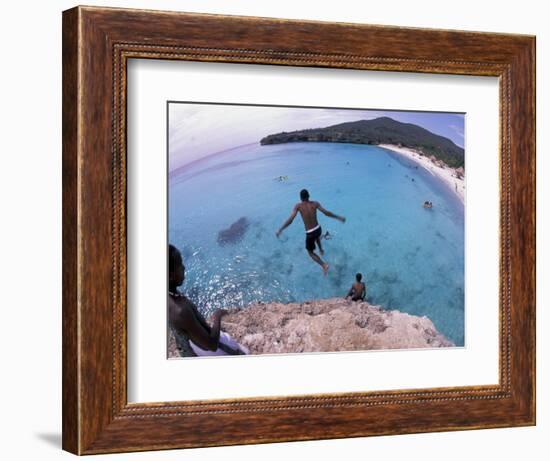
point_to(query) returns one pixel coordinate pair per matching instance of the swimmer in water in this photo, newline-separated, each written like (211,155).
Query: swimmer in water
(327,236)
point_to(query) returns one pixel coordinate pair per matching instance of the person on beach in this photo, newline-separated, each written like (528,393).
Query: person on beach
(308,211)
(358,290)
(194,336)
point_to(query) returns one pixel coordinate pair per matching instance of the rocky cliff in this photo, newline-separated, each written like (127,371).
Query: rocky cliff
(327,325)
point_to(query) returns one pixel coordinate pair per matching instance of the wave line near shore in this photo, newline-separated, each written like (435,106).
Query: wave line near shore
(449,176)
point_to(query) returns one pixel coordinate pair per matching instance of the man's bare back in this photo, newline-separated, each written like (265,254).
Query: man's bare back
(358,290)
(308,212)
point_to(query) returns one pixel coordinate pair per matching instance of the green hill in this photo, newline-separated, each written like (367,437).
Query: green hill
(383,130)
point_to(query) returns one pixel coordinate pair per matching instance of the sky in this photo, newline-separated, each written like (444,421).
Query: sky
(198,130)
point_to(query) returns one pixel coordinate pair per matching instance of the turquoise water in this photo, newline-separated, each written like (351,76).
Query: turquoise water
(412,259)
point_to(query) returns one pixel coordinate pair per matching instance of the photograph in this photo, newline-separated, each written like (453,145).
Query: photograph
(313,229)
(293,229)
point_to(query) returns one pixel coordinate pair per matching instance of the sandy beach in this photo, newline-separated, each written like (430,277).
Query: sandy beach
(445,173)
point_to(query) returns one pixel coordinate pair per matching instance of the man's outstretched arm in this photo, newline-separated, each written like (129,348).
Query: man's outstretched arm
(330,214)
(288,222)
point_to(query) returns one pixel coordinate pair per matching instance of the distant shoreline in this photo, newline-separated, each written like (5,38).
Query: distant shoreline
(446,174)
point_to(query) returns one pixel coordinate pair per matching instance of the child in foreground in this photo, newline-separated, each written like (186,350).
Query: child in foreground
(194,336)
(358,290)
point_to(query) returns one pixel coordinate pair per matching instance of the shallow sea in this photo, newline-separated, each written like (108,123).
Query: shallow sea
(412,259)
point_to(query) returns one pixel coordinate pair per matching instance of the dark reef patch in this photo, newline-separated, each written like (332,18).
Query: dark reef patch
(234,233)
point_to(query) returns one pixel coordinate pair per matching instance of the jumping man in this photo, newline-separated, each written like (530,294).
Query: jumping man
(308,211)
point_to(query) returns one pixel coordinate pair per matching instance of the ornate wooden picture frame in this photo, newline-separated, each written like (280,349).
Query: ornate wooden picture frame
(97,44)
